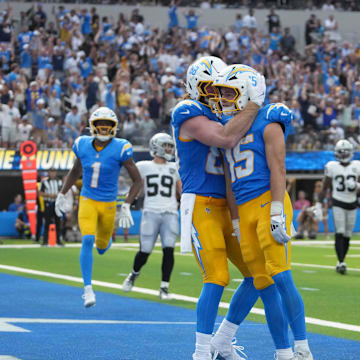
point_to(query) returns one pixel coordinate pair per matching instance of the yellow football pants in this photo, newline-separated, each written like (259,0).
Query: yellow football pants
(97,218)
(213,242)
(263,256)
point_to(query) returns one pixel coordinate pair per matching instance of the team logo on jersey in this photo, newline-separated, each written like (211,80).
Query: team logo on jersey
(207,210)
(172,171)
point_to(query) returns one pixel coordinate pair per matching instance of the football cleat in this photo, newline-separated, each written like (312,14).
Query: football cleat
(302,353)
(341,268)
(164,294)
(223,350)
(130,281)
(205,357)
(89,297)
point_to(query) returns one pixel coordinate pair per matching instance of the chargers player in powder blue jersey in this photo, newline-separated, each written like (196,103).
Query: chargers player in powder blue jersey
(206,226)
(99,158)
(258,179)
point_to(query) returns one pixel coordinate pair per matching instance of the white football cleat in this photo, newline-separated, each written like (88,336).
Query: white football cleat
(130,281)
(227,350)
(302,353)
(89,297)
(197,357)
(164,294)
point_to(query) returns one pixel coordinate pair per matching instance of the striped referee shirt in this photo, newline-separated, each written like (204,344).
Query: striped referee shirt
(50,186)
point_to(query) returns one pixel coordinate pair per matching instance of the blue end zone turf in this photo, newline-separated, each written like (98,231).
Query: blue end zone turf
(34,299)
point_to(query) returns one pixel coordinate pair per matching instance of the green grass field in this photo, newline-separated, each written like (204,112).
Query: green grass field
(327,295)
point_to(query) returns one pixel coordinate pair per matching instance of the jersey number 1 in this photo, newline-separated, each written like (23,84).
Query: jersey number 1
(95,175)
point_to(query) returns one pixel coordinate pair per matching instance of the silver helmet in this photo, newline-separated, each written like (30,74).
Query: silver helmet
(158,144)
(344,151)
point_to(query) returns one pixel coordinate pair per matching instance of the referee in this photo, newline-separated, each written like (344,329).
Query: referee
(49,189)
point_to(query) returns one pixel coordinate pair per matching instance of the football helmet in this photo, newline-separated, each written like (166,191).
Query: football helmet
(103,132)
(232,87)
(344,151)
(201,75)
(158,144)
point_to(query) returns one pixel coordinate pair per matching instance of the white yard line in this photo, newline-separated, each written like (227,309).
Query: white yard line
(331,267)
(309,320)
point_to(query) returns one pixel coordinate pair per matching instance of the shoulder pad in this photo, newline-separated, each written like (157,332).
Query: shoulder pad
(186,109)
(279,113)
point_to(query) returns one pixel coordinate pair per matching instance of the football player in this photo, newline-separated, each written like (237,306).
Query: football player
(342,176)
(162,188)
(99,158)
(206,224)
(256,166)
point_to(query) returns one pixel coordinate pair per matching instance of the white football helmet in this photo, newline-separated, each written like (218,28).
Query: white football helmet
(200,75)
(232,87)
(158,144)
(103,132)
(344,151)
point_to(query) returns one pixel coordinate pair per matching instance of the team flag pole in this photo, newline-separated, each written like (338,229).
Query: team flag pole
(29,175)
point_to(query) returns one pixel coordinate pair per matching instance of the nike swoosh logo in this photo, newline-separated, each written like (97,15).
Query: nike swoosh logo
(185,112)
(283,113)
(262,205)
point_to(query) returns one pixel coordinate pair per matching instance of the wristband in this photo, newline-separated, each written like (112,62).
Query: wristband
(235,224)
(277,207)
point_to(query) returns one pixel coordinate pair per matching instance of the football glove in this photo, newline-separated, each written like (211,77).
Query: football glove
(277,223)
(236,228)
(280,112)
(61,205)
(125,220)
(257,93)
(318,213)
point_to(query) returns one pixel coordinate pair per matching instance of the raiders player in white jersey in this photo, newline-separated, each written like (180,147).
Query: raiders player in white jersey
(342,175)
(162,188)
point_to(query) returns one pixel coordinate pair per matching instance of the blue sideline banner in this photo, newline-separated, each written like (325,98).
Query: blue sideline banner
(310,160)
(7,223)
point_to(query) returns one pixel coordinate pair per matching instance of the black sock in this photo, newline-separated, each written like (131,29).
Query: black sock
(339,246)
(140,260)
(346,245)
(167,263)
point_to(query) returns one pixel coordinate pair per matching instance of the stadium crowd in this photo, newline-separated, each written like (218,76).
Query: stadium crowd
(54,73)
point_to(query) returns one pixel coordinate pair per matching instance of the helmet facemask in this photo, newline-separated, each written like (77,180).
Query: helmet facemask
(343,155)
(103,129)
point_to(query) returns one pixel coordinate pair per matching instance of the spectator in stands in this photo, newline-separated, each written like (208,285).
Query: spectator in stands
(22,224)
(250,22)
(17,205)
(238,22)
(287,42)
(191,19)
(310,27)
(8,122)
(72,124)
(24,129)
(39,116)
(273,20)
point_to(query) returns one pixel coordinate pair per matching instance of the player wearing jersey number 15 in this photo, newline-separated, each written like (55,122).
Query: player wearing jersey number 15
(99,158)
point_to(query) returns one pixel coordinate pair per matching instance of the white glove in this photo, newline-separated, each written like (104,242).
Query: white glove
(278,230)
(126,220)
(318,213)
(257,93)
(61,206)
(236,228)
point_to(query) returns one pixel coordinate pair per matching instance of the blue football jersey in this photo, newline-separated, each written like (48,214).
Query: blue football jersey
(250,174)
(100,169)
(200,166)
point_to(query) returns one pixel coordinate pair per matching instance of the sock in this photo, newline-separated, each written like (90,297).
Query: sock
(88,287)
(285,354)
(346,245)
(202,347)
(103,251)
(164,284)
(339,247)
(207,307)
(242,301)
(86,258)
(226,331)
(275,316)
(302,343)
(293,303)
(167,263)
(140,260)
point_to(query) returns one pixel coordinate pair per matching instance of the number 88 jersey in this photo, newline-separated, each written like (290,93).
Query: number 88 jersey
(344,179)
(159,185)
